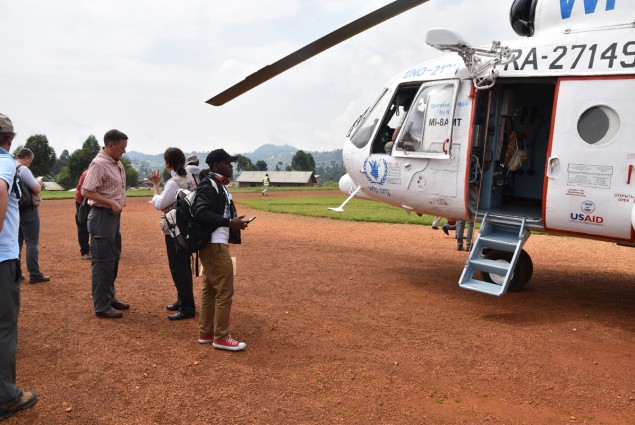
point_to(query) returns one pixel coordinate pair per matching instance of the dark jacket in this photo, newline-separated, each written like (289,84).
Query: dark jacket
(209,208)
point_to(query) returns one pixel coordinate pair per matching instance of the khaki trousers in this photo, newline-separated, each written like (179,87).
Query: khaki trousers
(217,291)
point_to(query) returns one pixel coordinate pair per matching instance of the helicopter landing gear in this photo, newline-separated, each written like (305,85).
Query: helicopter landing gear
(521,273)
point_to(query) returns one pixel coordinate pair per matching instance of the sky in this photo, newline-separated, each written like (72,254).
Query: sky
(72,68)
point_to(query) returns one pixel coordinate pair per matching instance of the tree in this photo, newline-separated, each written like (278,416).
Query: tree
(132,177)
(91,146)
(302,161)
(60,163)
(63,178)
(80,159)
(332,172)
(244,164)
(77,163)
(261,165)
(64,157)
(279,166)
(44,155)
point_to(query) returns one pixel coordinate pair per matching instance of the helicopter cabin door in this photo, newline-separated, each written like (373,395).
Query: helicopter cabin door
(589,177)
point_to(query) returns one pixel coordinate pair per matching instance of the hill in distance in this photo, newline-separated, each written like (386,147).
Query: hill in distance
(271,154)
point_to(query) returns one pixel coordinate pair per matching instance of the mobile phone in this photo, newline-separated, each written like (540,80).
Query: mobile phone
(251,219)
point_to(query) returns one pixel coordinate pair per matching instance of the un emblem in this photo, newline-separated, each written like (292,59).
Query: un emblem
(376,170)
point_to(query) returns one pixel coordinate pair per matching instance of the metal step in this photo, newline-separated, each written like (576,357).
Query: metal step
(506,234)
(501,241)
(483,287)
(489,266)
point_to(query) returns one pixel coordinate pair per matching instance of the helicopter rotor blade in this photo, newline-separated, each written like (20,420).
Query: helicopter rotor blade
(318,46)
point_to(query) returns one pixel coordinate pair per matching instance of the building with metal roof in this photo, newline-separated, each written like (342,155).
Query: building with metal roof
(277,178)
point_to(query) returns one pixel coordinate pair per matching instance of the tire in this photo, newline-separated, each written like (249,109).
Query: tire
(521,274)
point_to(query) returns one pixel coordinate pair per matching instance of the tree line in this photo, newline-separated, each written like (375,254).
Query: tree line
(301,161)
(67,169)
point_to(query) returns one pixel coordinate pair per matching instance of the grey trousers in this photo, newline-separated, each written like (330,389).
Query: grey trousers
(460,226)
(30,233)
(105,247)
(9,311)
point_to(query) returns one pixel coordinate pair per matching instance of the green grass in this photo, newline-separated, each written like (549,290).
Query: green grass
(311,206)
(63,194)
(355,210)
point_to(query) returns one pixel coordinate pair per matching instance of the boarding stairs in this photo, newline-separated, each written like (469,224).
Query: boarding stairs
(501,233)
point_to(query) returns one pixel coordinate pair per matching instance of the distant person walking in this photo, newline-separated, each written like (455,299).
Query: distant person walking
(30,216)
(83,236)
(265,185)
(178,261)
(12,399)
(104,186)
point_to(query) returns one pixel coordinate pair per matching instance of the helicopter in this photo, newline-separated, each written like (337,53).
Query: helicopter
(530,134)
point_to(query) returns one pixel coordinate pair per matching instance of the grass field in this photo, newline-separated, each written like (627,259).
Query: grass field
(312,206)
(355,210)
(139,193)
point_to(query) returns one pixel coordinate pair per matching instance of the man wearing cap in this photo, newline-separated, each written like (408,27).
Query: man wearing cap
(191,166)
(215,209)
(12,399)
(105,186)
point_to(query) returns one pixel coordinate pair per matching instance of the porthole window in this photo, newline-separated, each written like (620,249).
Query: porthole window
(598,125)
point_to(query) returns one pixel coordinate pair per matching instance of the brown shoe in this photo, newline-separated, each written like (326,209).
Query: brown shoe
(28,399)
(120,306)
(109,314)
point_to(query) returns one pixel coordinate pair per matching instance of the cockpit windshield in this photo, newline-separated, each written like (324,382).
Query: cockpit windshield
(361,136)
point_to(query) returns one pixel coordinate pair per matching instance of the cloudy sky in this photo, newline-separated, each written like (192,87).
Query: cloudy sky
(72,68)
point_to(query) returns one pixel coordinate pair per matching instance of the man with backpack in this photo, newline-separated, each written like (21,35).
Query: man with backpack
(12,399)
(215,210)
(30,216)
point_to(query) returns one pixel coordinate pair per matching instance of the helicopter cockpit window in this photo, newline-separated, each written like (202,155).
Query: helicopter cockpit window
(363,133)
(427,130)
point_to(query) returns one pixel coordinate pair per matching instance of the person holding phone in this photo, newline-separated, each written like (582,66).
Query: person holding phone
(215,209)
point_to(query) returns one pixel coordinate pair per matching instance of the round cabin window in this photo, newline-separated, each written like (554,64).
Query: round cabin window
(598,125)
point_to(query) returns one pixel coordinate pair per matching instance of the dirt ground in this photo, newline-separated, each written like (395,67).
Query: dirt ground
(345,323)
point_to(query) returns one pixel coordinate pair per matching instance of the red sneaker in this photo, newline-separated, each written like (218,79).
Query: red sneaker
(229,344)
(206,339)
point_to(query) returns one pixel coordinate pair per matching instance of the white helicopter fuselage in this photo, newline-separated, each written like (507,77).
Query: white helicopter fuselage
(551,141)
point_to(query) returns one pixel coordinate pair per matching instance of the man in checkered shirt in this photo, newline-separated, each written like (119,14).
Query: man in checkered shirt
(105,186)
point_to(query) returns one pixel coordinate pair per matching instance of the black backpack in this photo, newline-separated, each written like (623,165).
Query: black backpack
(26,198)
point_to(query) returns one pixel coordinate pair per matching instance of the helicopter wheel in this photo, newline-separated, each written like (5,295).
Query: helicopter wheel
(521,273)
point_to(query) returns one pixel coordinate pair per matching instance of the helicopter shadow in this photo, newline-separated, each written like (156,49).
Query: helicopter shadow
(553,295)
